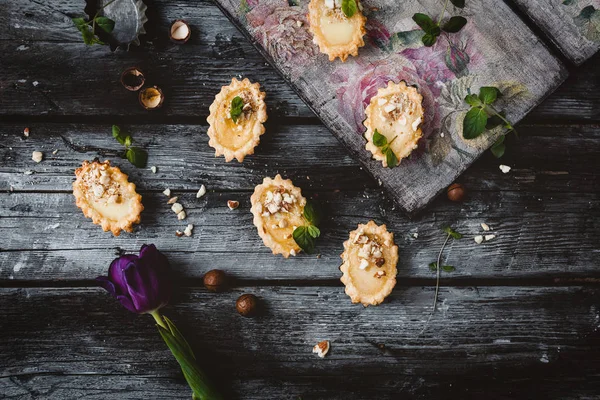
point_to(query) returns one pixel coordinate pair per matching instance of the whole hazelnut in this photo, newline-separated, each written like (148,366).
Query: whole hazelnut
(180,31)
(456,192)
(215,280)
(247,305)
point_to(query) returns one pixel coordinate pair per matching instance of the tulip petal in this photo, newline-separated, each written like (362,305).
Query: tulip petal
(126,302)
(148,283)
(116,274)
(104,282)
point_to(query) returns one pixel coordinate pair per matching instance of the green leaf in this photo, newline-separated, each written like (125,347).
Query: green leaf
(79,22)
(105,23)
(390,158)
(236,108)
(473,100)
(137,156)
(498,147)
(494,121)
(474,123)
(452,233)
(433,266)
(349,8)
(128,141)
(489,94)
(378,139)
(303,239)
(429,39)
(448,268)
(587,12)
(458,3)
(568,2)
(312,214)
(116,133)
(314,231)
(426,23)
(454,24)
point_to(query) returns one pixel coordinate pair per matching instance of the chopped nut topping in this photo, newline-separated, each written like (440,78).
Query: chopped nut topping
(292,252)
(379,274)
(278,200)
(369,252)
(380,261)
(37,156)
(233,204)
(398,106)
(363,264)
(97,185)
(177,208)
(321,348)
(283,223)
(201,192)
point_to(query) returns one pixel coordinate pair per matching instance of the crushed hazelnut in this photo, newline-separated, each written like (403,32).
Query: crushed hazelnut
(489,237)
(173,200)
(201,192)
(178,233)
(478,239)
(379,274)
(485,227)
(505,169)
(321,348)
(293,252)
(283,223)
(233,204)
(379,261)
(153,169)
(181,215)
(363,264)
(167,192)
(26,132)
(177,208)
(37,156)
(188,230)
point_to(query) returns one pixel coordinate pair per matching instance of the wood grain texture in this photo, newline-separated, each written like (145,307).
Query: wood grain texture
(576,35)
(375,352)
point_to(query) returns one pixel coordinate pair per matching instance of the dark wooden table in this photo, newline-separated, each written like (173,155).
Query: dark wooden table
(520,317)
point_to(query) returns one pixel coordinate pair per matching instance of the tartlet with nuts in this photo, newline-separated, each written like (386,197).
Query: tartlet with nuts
(396,112)
(369,264)
(105,195)
(278,208)
(336,34)
(236,120)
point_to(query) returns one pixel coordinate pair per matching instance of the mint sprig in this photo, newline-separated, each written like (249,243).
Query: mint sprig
(349,8)
(435,266)
(381,141)
(237,105)
(135,155)
(483,116)
(305,236)
(433,29)
(88,28)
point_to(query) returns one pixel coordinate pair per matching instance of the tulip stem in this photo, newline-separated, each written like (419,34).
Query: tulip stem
(158,319)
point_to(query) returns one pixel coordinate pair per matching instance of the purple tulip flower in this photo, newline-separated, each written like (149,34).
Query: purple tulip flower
(141,283)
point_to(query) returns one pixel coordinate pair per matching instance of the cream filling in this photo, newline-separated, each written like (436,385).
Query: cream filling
(404,129)
(337,32)
(230,134)
(113,211)
(364,279)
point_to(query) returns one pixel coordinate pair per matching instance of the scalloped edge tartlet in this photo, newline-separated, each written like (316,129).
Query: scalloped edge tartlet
(378,104)
(384,239)
(83,187)
(315,11)
(259,209)
(220,106)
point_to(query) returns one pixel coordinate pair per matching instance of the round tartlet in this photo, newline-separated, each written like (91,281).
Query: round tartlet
(396,112)
(278,208)
(334,33)
(237,139)
(369,264)
(106,196)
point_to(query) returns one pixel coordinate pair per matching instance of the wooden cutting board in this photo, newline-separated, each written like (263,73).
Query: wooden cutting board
(494,49)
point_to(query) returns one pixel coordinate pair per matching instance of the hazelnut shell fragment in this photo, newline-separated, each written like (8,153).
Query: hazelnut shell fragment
(180,31)
(151,98)
(215,280)
(247,305)
(456,192)
(132,79)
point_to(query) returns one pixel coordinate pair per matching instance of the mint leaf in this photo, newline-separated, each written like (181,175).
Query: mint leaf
(128,141)
(105,23)
(458,3)
(445,268)
(452,233)
(137,156)
(303,239)
(236,108)
(498,147)
(312,214)
(473,100)
(454,24)
(121,138)
(378,139)
(494,121)
(474,123)
(390,158)
(426,23)
(314,231)
(489,94)
(349,8)
(429,39)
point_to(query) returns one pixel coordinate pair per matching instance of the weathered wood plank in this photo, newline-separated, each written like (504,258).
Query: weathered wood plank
(512,341)
(39,44)
(540,236)
(307,154)
(575,31)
